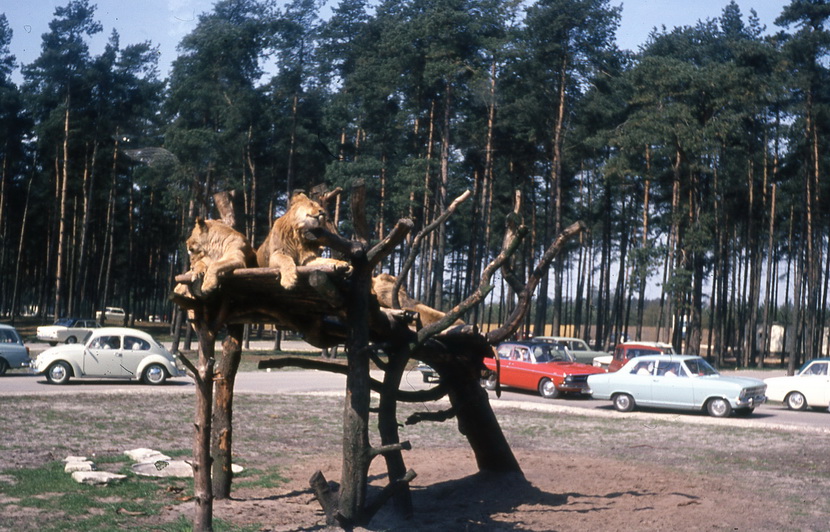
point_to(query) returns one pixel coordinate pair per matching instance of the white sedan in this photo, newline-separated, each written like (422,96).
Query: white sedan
(66,331)
(810,386)
(109,352)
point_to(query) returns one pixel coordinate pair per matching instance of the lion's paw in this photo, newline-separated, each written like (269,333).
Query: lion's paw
(288,278)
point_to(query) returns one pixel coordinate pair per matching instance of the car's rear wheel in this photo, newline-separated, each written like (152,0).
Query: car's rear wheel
(490,381)
(4,366)
(796,401)
(547,389)
(71,340)
(59,373)
(154,374)
(718,407)
(623,402)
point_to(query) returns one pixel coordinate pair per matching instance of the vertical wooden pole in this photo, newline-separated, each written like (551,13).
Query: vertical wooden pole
(202,486)
(222,427)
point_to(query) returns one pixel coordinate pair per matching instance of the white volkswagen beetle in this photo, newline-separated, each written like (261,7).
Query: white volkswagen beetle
(109,352)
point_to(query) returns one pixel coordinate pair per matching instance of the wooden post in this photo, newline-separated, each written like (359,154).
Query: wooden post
(356,448)
(222,429)
(202,486)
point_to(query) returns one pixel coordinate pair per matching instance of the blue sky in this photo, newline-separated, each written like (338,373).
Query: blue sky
(165,22)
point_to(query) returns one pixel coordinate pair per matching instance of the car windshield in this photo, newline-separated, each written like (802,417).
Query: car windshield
(816,368)
(544,353)
(66,322)
(700,368)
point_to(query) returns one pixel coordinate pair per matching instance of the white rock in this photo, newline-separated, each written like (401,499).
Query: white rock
(164,468)
(170,468)
(75,459)
(96,478)
(81,465)
(145,455)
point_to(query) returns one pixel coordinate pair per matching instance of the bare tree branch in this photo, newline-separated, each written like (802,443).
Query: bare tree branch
(484,288)
(515,319)
(386,246)
(416,244)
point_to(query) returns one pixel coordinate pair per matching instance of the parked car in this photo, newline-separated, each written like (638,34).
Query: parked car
(13,354)
(111,315)
(628,350)
(576,347)
(109,352)
(538,366)
(427,373)
(810,386)
(66,331)
(681,382)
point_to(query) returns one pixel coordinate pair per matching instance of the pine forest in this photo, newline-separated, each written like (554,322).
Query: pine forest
(696,162)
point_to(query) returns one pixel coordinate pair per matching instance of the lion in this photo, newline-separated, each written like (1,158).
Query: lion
(383,286)
(216,249)
(286,246)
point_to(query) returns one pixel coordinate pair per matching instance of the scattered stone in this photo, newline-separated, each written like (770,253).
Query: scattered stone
(97,478)
(81,465)
(170,468)
(145,455)
(75,459)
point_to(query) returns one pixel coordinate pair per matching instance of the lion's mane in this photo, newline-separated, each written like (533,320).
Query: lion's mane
(286,246)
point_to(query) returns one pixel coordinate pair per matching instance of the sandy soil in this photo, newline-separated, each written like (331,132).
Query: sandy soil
(643,471)
(558,492)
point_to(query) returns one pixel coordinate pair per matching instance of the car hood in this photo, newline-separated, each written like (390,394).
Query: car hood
(743,382)
(573,368)
(62,350)
(772,381)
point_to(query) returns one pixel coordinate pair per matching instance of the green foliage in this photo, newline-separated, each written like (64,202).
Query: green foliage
(668,155)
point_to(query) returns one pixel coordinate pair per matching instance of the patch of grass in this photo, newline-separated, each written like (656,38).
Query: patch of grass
(81,507)
(260,478)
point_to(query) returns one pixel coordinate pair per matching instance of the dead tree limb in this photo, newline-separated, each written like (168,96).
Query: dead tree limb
(514,321)
(416,243)
(439,416)
(484,288)
(386,246)
(418,396)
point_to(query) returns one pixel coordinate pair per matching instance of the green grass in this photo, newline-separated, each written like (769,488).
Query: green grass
(66,504)
(259,478)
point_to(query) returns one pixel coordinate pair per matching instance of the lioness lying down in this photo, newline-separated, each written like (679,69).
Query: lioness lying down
(215,249)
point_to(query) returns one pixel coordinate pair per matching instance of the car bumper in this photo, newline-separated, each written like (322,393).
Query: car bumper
(582,388)
(749,402)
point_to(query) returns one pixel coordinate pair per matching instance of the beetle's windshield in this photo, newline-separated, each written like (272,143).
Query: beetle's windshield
(700,368)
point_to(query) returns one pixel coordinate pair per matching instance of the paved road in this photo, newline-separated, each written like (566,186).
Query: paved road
(305,381)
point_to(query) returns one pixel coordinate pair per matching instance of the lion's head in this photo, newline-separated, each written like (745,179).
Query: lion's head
(213,239)
(287,235)
(304,214)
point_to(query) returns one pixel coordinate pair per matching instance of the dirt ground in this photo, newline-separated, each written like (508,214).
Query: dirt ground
(644,471)
(559,493)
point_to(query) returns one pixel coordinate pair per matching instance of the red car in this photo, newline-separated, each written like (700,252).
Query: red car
(628,350)
(539,366)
